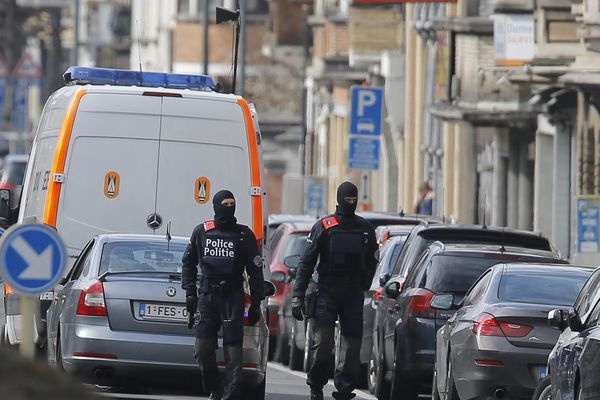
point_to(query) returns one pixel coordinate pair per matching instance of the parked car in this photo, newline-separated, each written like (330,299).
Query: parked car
(301,338)
(575,359)
(119,316)
(388,254)
(497,344)
(288,241)
(12,175)
(409,325)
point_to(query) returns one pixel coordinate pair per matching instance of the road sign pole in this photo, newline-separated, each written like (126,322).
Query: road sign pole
(26,347)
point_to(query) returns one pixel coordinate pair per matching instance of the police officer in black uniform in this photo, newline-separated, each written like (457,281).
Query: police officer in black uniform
(345,246)
(222,249)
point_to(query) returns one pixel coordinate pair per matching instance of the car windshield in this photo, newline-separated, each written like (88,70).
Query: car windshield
(295,244)
(142,256)
(541,288)
(13,172)
(456,273)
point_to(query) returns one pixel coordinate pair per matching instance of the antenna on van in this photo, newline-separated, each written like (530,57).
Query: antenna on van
(168,235)
(225,15)
(139,43)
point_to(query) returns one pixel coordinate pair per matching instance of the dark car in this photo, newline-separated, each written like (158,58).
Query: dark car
(300,342)
(575,360)
(408,328)
(287,242)
(497,344)
(12,176)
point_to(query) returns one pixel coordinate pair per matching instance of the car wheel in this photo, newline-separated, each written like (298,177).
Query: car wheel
(543,391)
(282,351)
(451,393)
(308,343)
(435,395)
(373,370)
(401,387)
(257,392)
(295,353)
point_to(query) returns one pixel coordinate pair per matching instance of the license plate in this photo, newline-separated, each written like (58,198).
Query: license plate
(543,372)
(162,312)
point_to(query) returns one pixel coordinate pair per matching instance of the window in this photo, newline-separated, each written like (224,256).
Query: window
(455,273)
(294,246)
(416,274)
(538,288)
(586,297)
(142,257)
(479,289)
(79,264)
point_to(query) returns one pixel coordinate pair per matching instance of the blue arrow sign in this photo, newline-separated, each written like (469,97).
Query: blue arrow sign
(32,258)
(367,110)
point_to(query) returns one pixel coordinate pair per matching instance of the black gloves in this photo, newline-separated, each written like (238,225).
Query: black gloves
(253,313)
(191,304)
(298,308)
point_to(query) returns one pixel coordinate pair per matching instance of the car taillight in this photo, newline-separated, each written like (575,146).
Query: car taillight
(418,305)
(487,325)
(91,301)
(377,294)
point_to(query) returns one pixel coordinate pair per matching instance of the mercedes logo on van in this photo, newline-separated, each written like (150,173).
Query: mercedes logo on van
(171,292)
(154,221)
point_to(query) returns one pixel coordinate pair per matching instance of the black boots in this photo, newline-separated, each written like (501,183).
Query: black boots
(316,394)
(343,396)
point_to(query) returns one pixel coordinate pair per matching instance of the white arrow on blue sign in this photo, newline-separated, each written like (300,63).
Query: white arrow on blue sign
(367,110)
(32,258)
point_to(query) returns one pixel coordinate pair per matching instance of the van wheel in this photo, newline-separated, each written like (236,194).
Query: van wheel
(295,353)
(257,392)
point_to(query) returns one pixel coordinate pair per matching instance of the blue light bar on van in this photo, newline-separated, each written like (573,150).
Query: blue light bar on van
(123,77)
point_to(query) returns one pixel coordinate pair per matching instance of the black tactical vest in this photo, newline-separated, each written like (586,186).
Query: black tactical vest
(347,248)
(220,256)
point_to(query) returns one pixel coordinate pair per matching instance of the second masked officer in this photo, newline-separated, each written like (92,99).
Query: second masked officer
(223,249)
(345,246)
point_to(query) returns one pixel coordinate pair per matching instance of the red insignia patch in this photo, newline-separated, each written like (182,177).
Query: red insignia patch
(209,225)
(330,222)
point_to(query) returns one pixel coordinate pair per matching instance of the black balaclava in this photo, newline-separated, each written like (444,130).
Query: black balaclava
(224,215)
(346,189)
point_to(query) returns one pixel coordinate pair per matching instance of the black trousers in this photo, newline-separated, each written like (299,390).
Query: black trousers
(221,307)
(333,302)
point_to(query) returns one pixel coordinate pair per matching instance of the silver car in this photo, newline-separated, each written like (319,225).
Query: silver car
(119,316)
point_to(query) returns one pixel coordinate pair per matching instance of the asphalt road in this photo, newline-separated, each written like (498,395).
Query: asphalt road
(282,384)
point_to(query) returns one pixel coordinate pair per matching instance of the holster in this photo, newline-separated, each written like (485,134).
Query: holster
(311,303)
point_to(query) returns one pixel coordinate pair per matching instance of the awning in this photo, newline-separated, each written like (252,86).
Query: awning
(485,114)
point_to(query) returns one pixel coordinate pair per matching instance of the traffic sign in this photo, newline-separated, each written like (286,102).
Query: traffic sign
(315,196)
(367,108)
(32,258)
(20,105)
(588,224)
(27,68)
(364,153)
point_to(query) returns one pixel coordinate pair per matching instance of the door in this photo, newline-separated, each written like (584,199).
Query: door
(111,167)
(203,149)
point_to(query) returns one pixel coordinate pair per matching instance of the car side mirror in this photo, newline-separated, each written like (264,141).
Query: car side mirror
(392,290)
(292,273)
(443,302)
(574,322)
(556,319)
(278,276)
(384,278)
(292,261)
(270,289)
(5,213)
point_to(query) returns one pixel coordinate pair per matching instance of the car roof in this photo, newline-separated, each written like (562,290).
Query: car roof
(406,219)
(16,157)
(281,218)
(299,226)
(536,267)
(138,237)
(490,249)
(513,237)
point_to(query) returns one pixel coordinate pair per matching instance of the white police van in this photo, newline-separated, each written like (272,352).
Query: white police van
(135,152)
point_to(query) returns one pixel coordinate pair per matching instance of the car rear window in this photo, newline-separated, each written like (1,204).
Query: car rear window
(13,173)
(142,257)
(543,288)
(294,246)
(455,273)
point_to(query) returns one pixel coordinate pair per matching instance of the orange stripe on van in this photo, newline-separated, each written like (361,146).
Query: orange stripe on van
(60,157)
(257,201)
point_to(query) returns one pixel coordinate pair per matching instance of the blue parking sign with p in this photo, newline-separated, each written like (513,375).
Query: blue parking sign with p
(367,110)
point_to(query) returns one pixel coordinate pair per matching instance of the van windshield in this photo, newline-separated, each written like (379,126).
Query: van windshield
(141,256)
